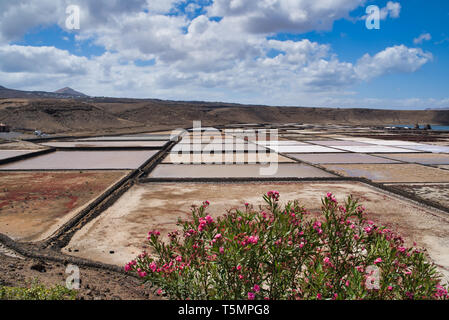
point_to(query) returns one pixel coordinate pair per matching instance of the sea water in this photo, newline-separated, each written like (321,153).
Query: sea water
(434,127)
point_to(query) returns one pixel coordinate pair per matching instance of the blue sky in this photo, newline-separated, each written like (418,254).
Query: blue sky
(276,52)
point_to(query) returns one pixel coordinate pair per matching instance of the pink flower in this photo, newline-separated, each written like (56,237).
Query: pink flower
(202,224)
(253,239)
(218,236)
(256,288)
(239,267)
(209,219)
(221,250)
(155,233)
(390,288)
(331,197)
(378,260)
(317,227)
(441,292)
(318,296)
(273,195)
(141,273)
(127,267)
(153,266)
(251,296)
(178,258)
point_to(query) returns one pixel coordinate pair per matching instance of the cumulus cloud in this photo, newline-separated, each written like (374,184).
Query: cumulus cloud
(197,57)
(393,59)
(28,59)
(17,17)
(271,16)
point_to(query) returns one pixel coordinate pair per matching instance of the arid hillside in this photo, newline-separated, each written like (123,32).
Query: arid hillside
(56,116)
(106,114)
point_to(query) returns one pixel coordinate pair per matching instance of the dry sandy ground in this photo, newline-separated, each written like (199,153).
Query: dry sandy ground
(436,192)
(21,145)
(269,170)
(123,227)
(391,172)
(35,204)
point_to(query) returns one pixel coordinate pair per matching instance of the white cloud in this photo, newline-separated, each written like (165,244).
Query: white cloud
(28,59)
(393,59)
(423,37)
(271,16)
(17,17)
(229,60)
(392,10)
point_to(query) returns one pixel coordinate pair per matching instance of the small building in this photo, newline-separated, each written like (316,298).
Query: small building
(4,128)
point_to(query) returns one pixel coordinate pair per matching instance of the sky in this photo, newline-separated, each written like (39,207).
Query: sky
(315,53)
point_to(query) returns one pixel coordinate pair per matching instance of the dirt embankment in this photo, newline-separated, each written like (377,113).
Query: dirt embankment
(95,283)
(109,114)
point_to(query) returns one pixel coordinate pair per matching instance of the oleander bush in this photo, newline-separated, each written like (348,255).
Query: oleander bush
(286,253)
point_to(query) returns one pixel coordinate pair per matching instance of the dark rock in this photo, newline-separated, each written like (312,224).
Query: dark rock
(38,267)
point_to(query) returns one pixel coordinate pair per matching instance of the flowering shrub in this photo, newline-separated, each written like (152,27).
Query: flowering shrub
(286,253)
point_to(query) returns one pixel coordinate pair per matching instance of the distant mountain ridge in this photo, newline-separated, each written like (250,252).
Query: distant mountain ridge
(70,91)
(64,93)
(53,112)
